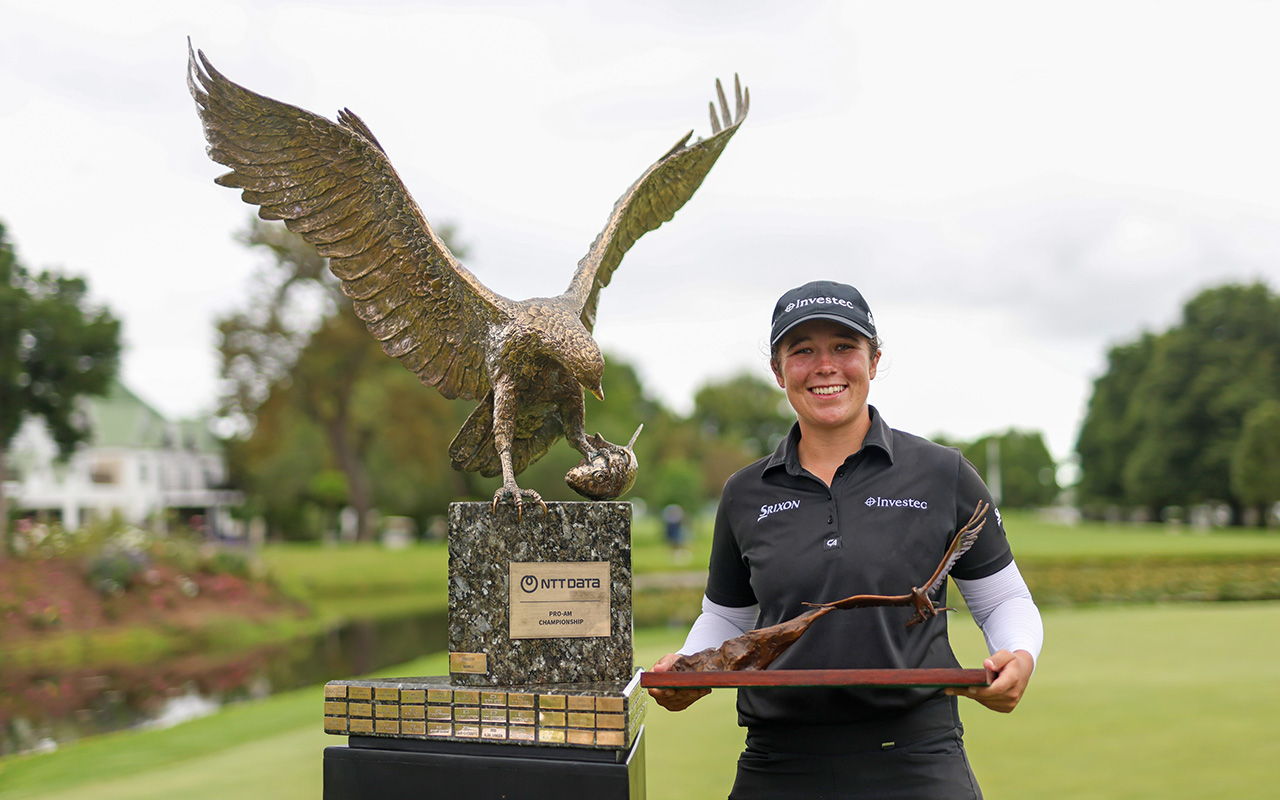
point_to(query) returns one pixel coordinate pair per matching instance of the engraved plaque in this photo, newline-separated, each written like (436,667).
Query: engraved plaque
(582,702)
(336,691)
(439,729)
(387,711)
(413,712)
(493,732)
(612,705)
(466,714)
(440,713)
(581,719)
(418,696)
(523,716)
(413,728)
(551,701)
(493,698)
(466,697)
(580,737)
(520,699)
(391,726)
(469,663)
(360,709)
(521,733)
(335,724)
(361,726)
(555,719)
(616,721)
(360,692)
(335,708)
(559,600)
(385,694)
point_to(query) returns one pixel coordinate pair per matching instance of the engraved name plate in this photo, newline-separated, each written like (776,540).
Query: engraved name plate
(559,600)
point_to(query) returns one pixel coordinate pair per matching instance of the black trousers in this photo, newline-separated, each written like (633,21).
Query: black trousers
(917,756)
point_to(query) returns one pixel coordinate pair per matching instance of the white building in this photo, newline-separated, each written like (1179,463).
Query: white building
(137,464)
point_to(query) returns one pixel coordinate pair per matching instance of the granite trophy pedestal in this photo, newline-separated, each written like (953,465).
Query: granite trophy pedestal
(542,697)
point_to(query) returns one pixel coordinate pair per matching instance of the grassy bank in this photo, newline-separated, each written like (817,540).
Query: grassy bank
(1135,702)
(1065,565)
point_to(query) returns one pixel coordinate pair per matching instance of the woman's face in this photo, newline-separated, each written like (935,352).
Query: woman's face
(826,370)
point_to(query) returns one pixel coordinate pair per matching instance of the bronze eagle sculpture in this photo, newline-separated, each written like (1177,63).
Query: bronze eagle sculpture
(527,362)
(759,648)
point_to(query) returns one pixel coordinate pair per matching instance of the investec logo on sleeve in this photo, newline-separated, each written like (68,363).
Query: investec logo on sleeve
(894,502)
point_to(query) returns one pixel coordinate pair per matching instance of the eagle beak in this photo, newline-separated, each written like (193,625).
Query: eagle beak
(598,391)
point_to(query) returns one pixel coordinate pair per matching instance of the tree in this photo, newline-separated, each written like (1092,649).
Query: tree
(1028,475)
(1110,432)
(55,347)
(744,408)
(1179,400)
(1255,460)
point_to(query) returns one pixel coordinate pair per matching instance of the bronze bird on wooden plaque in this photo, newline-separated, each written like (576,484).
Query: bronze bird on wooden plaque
(526,362)
(759,648)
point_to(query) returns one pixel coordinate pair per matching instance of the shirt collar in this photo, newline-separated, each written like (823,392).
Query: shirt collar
(787,455)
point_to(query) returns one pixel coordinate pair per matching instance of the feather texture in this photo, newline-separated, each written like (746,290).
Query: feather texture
(526,362)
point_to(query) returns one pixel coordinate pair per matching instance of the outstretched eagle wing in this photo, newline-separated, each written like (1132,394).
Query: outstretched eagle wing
(652,200)
(964,539)
(333,184)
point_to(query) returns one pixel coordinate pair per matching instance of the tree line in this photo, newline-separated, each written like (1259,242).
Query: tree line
(321,420)
(332,423)
(1190,415)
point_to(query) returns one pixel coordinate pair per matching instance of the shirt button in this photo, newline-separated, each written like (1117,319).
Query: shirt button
(830,520)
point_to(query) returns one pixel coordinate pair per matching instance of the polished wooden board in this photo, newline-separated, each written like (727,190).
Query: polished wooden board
(730,679)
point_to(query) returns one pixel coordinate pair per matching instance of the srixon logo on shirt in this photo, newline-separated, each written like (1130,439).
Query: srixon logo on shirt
(785,505)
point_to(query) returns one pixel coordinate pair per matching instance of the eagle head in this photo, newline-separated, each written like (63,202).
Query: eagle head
(581,356)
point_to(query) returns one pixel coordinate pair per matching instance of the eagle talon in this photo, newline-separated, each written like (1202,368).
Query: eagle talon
(517,495)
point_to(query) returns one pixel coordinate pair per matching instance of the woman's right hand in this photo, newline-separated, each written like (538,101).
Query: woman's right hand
(674,699)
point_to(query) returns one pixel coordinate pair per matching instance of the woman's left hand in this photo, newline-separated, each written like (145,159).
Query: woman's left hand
(1013,671)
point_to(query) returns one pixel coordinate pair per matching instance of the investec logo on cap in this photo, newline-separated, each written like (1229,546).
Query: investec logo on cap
(812,301)
(896,502)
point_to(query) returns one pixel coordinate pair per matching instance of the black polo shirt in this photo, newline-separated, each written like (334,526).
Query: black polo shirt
(782,538)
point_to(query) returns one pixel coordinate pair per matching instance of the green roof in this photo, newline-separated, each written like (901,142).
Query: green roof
(122,419)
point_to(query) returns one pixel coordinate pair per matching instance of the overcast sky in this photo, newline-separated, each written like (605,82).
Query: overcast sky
(1014,186)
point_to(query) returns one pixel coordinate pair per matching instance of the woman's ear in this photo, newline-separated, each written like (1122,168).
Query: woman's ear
(777,372)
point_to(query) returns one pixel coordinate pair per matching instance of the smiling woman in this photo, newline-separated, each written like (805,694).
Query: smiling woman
(848,506)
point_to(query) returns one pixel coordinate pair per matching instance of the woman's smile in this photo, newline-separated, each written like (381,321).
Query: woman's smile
(826,391)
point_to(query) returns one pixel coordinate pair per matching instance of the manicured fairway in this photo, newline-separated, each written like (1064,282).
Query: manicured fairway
(1167,701)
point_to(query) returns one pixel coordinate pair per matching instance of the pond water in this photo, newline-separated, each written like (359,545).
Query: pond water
(40,710)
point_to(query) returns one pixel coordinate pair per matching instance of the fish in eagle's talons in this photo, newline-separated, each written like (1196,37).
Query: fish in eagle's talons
(608,473)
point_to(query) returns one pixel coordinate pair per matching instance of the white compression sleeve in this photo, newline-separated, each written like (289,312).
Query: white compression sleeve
(1002,606)
(717,624)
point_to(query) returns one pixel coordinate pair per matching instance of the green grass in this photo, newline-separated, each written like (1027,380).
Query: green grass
(1179,701)
(1033,538)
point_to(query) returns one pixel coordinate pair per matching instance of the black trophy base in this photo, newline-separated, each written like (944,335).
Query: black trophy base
(399,769)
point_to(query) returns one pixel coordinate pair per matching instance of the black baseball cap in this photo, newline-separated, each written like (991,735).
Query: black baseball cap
(838,302)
